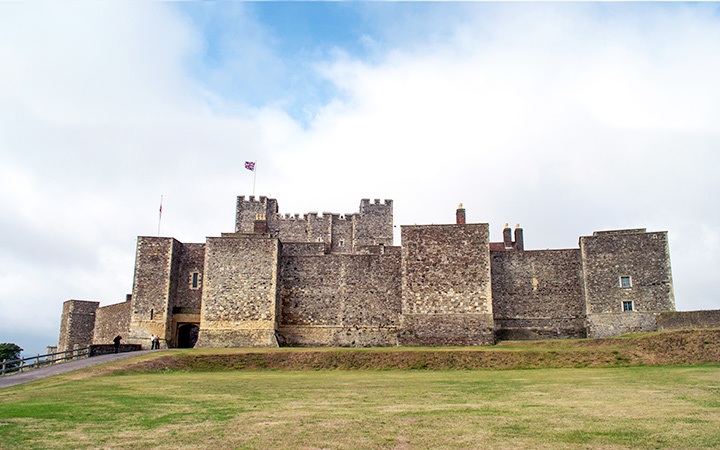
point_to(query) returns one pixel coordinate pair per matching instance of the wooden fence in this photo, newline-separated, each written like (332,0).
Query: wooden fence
(33,362)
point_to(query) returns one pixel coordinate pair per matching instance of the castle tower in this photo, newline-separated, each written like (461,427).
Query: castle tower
(374,224)
(627,279)
(77,324)
(240,291)
(446,287)
(154,285)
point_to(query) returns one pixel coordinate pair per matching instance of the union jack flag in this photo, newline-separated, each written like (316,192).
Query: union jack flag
(250,165)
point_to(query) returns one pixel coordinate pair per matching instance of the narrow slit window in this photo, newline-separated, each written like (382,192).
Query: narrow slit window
(195,280)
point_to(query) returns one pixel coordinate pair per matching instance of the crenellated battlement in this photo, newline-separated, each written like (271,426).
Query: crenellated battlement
(365,204)
(341,233)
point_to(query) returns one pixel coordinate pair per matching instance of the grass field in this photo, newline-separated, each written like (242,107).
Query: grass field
(623,407)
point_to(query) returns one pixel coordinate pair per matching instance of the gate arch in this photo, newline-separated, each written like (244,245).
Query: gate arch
(187,335)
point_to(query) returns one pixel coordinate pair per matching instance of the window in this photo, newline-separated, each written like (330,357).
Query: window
(628,306)
(195,280)
(625,282)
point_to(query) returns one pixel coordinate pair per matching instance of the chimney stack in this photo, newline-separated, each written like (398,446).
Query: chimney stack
(460,214)
(507,236)
(519,244)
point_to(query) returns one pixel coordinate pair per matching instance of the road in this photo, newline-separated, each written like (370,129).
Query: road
(56,369)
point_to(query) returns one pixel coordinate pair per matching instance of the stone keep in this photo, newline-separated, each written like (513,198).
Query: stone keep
(338,280)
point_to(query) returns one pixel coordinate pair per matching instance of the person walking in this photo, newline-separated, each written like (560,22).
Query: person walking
(116,342)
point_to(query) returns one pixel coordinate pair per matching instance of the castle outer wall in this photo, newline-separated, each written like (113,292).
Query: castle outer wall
(337,280)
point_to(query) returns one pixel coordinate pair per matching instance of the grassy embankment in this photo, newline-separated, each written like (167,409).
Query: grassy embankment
(117,406)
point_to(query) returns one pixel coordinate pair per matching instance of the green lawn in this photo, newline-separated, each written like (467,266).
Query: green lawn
(625,407)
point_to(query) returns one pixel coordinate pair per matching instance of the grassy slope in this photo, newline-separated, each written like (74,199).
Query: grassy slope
(654,349)
(145,403)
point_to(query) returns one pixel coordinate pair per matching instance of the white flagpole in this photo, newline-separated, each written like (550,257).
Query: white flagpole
(160,215)
(254,175)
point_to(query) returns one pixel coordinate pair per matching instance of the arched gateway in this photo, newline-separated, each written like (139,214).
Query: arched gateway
(187,335)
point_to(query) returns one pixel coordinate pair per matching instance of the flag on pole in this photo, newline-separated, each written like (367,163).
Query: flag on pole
(250,165)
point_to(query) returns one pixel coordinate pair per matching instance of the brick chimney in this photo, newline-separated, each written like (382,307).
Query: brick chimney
(519,244)
(460,214)
(507,236)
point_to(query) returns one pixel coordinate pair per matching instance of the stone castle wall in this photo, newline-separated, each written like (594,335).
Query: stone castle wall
(111,321)
(188,291)
(676,320)
(341,300)
(77,324)
(155,283)
(643,259)
(337,280)
(239,300)
(538,294)
(374,223)
(446,285)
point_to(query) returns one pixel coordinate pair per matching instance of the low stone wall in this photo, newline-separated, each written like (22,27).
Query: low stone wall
(539,328)
(337,336)
(447,329)
(106,349)
(677,320)
(608,325)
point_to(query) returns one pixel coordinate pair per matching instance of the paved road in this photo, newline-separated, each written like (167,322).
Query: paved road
(56,369)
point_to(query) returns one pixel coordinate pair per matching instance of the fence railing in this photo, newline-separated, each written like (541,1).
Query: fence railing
(33,362)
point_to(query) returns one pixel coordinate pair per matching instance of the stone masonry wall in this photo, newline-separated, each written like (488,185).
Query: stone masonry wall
(239,300)
(342,233)
(246,212)
(340,300)
(644,258)
(192,261)
(538,294)
(446,286)
(76,324)
(156,267)
(676,320)
(374,224)
(111,321)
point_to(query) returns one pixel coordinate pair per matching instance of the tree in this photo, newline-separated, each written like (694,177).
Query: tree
(9,351)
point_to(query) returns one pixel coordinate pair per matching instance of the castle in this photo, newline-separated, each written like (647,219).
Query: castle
(338,280)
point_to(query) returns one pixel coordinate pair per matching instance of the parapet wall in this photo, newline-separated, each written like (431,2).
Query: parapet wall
(676,320)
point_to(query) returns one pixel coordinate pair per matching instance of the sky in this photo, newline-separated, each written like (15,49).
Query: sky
(564,117)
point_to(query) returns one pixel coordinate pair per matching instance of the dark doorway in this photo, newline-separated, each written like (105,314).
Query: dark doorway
(187,335)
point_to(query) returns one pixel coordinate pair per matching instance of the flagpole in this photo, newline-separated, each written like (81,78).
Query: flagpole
(254,175)
(160,215)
